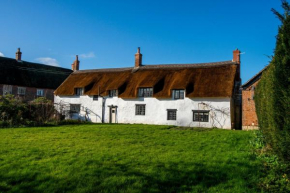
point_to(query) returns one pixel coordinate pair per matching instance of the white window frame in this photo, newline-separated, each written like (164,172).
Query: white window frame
(113,93)
(40,92)
(145,92)
(7,89)
(79,91)
(21,91)
(178,94)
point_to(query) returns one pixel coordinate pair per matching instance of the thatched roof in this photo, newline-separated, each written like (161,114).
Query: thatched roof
(199,80)
(28,74)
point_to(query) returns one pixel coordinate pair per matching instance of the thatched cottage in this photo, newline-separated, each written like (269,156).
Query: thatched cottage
(196,95)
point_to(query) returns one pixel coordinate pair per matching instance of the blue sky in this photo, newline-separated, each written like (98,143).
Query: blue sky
(106,34)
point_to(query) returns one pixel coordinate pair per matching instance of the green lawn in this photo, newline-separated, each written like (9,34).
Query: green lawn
(126,158)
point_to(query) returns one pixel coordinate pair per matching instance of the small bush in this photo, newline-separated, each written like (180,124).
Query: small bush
(275,176)
(73,122)
(3,124)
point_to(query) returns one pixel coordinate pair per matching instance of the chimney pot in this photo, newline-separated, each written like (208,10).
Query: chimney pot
(138,58)
(18,54)
(236,56)
(75,66)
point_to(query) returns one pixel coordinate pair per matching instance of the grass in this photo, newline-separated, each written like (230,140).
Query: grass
(126,158)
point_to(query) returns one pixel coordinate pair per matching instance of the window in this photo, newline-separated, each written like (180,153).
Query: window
(39,92)
(200,116)
(252,92)
(7,89)
(171,114)
(79,91)
(113,93)
(178,94)
(21,90)
(145,92)
(95,97)
(75,108)
(140,110)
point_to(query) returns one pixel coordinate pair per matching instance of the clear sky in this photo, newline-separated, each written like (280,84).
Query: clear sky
(106,33)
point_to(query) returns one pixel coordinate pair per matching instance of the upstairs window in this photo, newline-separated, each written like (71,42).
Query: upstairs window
(113,93)
(79,91)
(200,115)
(95,97)
(21,90)
(7,89)
(140,110)
(171,114)
(75,108)
(145,92)
(39,92)
(178,94)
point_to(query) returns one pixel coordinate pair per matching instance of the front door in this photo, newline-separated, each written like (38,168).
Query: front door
(113,115)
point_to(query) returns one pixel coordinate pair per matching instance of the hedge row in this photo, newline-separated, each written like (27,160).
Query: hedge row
(273,92)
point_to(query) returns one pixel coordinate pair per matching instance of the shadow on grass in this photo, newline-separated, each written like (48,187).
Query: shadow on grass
(158,177)
(178,178)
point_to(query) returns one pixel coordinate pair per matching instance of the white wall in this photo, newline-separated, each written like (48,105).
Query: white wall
(156,110)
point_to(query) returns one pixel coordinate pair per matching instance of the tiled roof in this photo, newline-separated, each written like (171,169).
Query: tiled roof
(28,74)
(254,79)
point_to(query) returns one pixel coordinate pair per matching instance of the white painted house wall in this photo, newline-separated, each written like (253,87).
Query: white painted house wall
(156,110)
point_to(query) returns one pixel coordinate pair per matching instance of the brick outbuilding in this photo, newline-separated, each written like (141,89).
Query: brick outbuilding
(249,116)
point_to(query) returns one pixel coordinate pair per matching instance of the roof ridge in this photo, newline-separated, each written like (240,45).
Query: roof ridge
(154,66)
(255,76)
(226,61)
(35,63)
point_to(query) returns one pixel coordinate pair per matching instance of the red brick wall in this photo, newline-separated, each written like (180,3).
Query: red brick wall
(30,93)
(249,116)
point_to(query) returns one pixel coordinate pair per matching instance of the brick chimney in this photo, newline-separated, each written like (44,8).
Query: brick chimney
(138,58)
(18,54)
(237,59)
(75,66)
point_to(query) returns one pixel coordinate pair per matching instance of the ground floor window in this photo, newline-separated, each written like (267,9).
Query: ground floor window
(140,110)
(171,114)
(39,92)
(21,90)
(75,108)
(200,115)
(7,89)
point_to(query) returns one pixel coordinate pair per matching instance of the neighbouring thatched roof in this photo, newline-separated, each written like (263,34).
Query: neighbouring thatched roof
(28,74)
(199,80)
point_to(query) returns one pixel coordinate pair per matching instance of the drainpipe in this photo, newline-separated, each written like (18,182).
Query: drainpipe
(103,109)
(103,105)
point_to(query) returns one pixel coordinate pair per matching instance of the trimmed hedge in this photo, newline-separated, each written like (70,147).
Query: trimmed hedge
(273,92)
